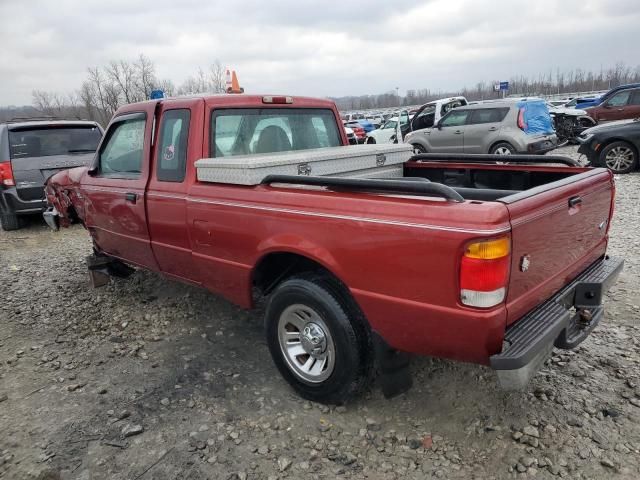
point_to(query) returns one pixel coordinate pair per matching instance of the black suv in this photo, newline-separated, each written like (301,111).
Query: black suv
(32,151)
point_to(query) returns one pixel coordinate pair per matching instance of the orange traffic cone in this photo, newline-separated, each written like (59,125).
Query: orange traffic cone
(232,84)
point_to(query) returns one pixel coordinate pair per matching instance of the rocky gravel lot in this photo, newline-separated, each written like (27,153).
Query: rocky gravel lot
(150,379)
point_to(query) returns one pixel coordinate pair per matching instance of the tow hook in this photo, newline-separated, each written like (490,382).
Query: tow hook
(584,317)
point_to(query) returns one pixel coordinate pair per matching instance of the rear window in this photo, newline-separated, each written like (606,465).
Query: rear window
(44,142)
(244,131)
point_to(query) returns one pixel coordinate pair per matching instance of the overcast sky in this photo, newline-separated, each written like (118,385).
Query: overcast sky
(318,48)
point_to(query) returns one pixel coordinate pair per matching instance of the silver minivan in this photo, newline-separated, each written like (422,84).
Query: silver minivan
(500,127)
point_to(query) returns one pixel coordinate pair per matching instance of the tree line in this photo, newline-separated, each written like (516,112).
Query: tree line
(550,83)
(108,87)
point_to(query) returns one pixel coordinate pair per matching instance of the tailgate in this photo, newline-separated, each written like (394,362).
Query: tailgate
(30,173)
(558,230)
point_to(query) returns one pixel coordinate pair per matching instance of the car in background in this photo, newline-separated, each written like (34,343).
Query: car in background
(358,130)
(33,150)
(430,113)
(351,136)
(387,133)
(615,145)
(585,102)
(503,127)
(622,105)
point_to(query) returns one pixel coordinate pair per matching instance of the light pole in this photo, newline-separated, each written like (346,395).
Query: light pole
(398,95)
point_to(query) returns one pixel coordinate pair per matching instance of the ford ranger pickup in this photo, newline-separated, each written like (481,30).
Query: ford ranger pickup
(360,265)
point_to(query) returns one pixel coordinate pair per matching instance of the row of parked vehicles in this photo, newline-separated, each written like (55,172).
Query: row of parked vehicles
(517,125)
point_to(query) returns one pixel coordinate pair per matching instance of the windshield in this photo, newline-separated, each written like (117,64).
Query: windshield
(47,141)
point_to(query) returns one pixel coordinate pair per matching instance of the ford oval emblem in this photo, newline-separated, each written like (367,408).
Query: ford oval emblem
(525,261)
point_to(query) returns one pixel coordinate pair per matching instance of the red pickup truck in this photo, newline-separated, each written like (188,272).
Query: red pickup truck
(456,256)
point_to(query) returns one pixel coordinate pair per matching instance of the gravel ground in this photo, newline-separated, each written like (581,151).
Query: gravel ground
(146,378)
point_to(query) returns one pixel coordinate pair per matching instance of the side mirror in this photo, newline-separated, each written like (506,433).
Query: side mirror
(439,125)
(606,105)
(93,168)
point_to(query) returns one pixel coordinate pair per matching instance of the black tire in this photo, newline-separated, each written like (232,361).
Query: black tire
(9,221)
(501,149)
(347,331)
(370,140)
(619,157)
(418,149)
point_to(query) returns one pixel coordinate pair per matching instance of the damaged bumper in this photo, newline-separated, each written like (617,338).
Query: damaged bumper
(52,218)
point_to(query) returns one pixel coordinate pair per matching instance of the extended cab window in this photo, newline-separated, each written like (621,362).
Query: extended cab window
(172,149)
(244,131)
(121,153)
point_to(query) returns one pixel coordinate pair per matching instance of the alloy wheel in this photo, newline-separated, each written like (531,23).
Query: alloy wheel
(619,158)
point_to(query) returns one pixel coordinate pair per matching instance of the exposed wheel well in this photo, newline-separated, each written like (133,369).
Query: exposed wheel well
(276,267)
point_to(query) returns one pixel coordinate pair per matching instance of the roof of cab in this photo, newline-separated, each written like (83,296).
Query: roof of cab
(238,99)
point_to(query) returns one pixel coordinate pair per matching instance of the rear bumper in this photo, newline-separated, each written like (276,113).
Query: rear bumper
(563,321)
(11,203)
(542,146)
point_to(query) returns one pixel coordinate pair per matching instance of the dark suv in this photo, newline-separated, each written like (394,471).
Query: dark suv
(30,152)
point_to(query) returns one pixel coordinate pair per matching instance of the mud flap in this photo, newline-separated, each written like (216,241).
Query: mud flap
(102,268)
(395,375)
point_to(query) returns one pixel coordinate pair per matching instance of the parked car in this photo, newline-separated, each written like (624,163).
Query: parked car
(494,265)
(30,152)
(430,113)
(351,136)
(586,102)
(613,145)
(623,105)
(387,133)
(501,127)
(358,130)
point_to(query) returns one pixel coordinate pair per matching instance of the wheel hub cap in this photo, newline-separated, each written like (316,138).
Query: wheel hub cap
(313,339)
(306,343)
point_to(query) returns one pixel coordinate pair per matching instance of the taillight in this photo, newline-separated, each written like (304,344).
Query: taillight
(484,272)
(522,125)
(6,174)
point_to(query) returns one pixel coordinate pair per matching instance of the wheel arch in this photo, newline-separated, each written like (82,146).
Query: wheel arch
(497,142)
(281,262)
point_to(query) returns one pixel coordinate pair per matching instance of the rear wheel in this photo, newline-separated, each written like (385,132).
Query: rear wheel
(318,339)
(502,148)
(9,221)
(619,157)
(418,149)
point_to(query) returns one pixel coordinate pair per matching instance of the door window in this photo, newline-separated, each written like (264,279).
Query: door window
(455,118)
(635,98)
(172,149)
(619,99)
(121,154)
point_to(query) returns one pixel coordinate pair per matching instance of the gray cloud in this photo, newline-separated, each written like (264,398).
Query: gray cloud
(313,47)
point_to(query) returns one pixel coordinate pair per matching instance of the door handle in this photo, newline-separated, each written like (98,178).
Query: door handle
(457,132)
(493,129)
(575,201)
(621,109)
(131,197)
